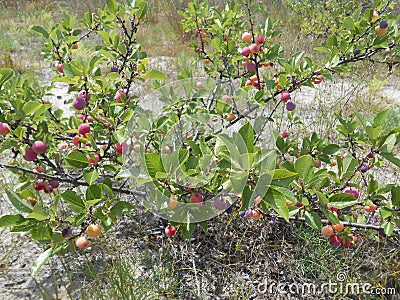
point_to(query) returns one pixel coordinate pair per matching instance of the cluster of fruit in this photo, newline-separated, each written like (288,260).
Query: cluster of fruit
(333,232)
(93,231)
(43,185)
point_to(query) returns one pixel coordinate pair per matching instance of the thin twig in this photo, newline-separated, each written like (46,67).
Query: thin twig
(350,224)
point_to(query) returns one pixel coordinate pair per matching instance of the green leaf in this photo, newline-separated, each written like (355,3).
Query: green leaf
(395,191)
(389,143)
(259,96)
(348,166)
(390,157)
(372,185)
(153,164)
(74,201)
(380,118)
(122,208)
(331,217)
(195,148)
(5,75)
(331,149)
(385,212)
(38,213)
(313,220)
(76,160)
(93,195)
(19,203)
(323,200)
(283,177)
(322,49)
(11,220)
(348,23)
(90,176)
(187,230)
(234,145)
(40,261)
(31,107)
(277,200)
(246,196)
(41,30)
(342,200)
(388,228)
(155,75)
(216,44)
(304,166)
(247,133)
(239,181)
(72,69)
(204,225)
(111,6)
(42,233)
(142,10)
(305,146)
(25,226)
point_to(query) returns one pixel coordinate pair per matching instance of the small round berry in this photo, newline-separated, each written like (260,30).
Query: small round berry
(39,147)
(317,163)
(231,117)
(79,103)
(246,51)
(54,183)
(170,230)
(327,231)
(83,128)
(338,227)
(335,240)
(220,204)
(290,106)
(352,191)
(4,129)
(285,96)
(30,155)
(48,189)
(66,232)
(82,242)
(260,39)
(196,198)
(256,214)
(93,230)
(364,168)
(247,37)
(39,185)
(173,202)
(83,95)
(258,200)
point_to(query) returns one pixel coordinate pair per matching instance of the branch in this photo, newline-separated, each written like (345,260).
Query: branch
(296,85)
(367,55)
(355,225)
(74,182)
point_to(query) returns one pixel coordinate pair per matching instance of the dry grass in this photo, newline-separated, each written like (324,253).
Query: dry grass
(234,259)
